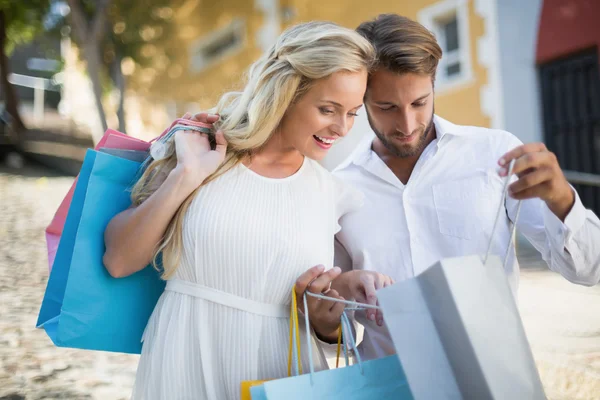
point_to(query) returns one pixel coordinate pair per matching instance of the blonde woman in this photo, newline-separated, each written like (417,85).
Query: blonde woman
(236,226)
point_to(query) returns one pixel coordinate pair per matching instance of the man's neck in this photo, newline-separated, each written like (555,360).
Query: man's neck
(402,167)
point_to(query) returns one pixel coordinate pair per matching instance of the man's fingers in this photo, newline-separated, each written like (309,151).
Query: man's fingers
(518,152)
(530,193)
(379,317)
(530,180)
(371,298)
(360,298)
(527,171)
(379,281)
(529,161)
(206,118)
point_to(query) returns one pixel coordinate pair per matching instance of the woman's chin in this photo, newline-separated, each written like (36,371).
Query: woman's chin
(316,155)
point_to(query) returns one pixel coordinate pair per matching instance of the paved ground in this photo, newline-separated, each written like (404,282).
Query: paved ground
(562,320)
(31,367)
(563,325)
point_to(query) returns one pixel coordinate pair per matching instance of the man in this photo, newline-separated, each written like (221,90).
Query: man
(432,189)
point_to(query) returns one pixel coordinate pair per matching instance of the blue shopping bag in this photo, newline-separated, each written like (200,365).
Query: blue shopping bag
(375,379)
(83,306)
(379,379)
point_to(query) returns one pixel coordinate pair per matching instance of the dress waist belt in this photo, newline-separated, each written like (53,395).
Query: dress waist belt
(227,299)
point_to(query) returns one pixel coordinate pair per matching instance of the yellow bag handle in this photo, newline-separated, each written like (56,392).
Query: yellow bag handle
(294,326)
(339,347)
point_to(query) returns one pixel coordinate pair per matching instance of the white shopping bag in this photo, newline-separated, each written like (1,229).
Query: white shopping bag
(458,333)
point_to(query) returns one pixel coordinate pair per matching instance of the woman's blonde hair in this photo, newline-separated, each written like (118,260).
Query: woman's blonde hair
(302,55)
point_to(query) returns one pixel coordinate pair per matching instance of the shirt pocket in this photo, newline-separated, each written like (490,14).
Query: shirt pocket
(463,205)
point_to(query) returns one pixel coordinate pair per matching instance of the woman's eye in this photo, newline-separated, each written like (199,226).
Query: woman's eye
(325,111)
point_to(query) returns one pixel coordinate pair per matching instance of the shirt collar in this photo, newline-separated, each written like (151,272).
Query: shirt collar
(444,129)
(363,152)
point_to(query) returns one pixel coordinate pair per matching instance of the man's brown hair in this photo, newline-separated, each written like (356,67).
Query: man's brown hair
(402,45)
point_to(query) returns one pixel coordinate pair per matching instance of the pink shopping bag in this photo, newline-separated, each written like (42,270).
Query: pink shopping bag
(113,140)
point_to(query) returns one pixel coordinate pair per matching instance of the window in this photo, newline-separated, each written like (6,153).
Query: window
(451,47)
(448,20)
(217,46)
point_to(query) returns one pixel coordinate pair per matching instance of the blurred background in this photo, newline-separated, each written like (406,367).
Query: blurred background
(71,69)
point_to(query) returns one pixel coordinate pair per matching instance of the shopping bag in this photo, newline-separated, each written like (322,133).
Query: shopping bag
(375,379)
(111,139)
(114,140)
(294,359)
(132,155)
(83,306)
(457,331)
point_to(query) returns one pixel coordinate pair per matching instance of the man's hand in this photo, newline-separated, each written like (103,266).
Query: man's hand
(539,176)
(324,315)
(361,286)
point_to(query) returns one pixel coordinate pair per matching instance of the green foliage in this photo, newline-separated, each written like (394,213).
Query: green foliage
(24,20)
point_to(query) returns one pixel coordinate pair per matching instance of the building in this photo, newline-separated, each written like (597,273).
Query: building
(529,67)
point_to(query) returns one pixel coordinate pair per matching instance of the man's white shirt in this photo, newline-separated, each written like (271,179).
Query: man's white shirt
(447,209)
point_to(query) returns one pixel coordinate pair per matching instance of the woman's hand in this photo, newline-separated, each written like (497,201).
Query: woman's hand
(195,158)
(324,315)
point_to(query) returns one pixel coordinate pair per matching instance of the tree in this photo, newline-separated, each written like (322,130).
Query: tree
(138,34)
(20,22)
(110,31)
(88,20)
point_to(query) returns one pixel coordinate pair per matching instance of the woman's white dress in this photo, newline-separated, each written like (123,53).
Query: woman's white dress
(224,317)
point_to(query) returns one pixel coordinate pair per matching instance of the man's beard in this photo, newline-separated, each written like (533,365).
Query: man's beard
(408,150)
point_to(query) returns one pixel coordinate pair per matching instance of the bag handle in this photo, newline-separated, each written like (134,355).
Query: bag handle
(339,347)
(349,338)
(498,214)
(206,128)
(342,337)
(294,342)
(162,146)
(307,323)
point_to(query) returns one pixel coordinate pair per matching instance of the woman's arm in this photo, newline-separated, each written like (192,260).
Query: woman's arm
(133,235)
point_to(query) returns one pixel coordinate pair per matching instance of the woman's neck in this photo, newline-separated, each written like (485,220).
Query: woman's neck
(275,160)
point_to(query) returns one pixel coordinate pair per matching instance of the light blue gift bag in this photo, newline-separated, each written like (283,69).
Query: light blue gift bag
(84,307)
(374,379)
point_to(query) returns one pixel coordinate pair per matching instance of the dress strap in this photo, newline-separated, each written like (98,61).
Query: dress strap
(227,299)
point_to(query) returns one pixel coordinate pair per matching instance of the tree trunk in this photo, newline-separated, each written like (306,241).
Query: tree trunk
(92,58)
(90,35)
(120,84)
(12,101)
